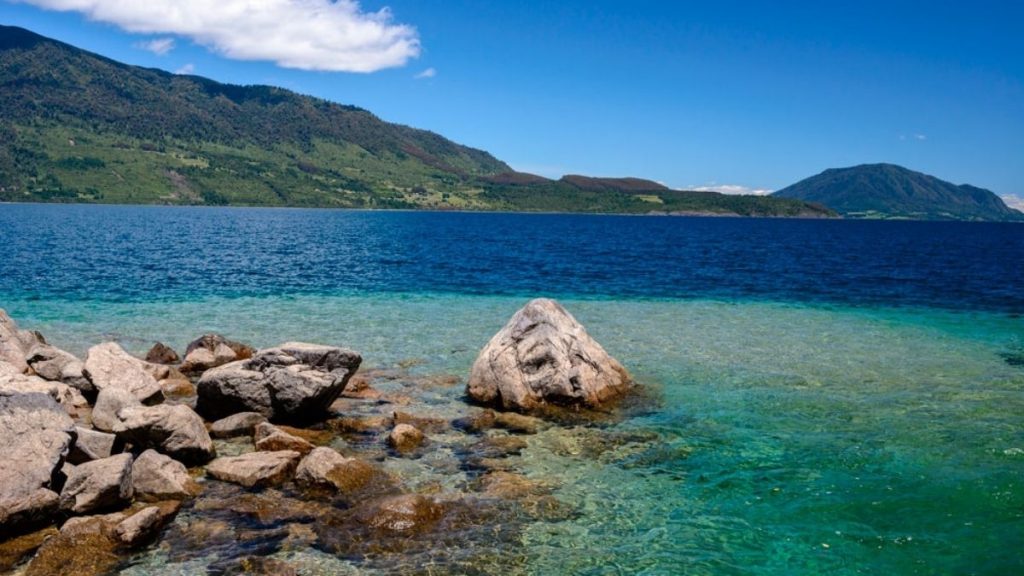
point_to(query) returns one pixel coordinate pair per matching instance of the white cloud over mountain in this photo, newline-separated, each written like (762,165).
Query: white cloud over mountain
(325,35)
(1014,201)
(731,189)
(158,46)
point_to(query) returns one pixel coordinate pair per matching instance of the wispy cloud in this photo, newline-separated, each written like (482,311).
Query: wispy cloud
(428,73)
(734,189)
(331,35)
(918,137)
(186,69)
(1014,201)
(158,46)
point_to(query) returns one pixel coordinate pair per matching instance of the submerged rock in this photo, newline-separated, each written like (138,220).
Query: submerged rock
(544,357)
(294,382)
(517,423)
(325,468)
(424,423)
(175,430)
(158,477)
(90,545)
(97,485)
(405,438)
(87,554)
(256,469)
(241,424)
(510,485)
(36,435)
(406,514)
(477,422)
(109,366)
(15,550)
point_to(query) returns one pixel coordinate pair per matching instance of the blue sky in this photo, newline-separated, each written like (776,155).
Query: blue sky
(755,95)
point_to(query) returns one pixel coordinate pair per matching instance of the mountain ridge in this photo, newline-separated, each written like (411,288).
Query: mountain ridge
(80,127)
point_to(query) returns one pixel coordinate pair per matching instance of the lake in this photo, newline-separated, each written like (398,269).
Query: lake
(828,396)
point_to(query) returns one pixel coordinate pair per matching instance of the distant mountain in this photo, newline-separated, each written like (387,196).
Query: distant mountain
(78,127)
(890,191)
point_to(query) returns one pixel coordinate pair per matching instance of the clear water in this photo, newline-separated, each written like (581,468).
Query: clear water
(866,419)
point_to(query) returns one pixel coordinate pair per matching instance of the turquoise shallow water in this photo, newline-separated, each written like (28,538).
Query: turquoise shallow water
(787,438)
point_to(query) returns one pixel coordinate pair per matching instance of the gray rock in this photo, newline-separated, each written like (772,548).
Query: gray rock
(35,435)
(109,402)
(159,477)
(69,398)
(270,438)
(294,382)
(174,430)
(91,445)
(255,469)
(160,353)
(99,484)
(52,363)
(14,343)
(109,366)
(542,357)
(241,424)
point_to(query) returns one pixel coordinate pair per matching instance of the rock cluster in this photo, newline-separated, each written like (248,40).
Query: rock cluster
(104,444)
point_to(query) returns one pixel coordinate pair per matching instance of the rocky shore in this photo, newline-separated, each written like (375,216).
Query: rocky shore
(253,451)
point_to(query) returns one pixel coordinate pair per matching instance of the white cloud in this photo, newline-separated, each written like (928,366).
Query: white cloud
(158,46)
(428,73)
(186,69)
(331,35)
(920,137)
(1014,201)
(734,189)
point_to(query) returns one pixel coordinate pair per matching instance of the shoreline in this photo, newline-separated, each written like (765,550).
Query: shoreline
(654,213)
(434,210)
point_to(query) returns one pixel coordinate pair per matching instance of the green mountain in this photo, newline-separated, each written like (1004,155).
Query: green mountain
(889,191)
(78,127)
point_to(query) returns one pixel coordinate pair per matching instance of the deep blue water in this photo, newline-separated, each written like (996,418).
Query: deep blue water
(125,253)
